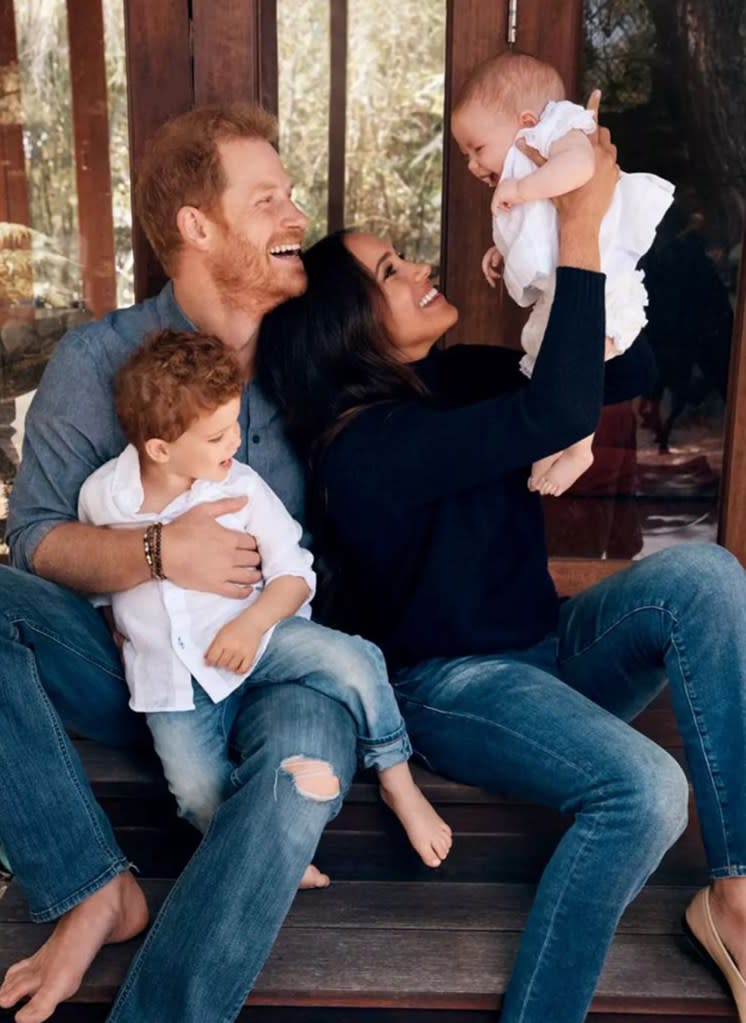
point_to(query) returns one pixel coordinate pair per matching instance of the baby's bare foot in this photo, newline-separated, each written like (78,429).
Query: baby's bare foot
(540,469)
(429,834)
(569,467)
(313,878)
(116,912)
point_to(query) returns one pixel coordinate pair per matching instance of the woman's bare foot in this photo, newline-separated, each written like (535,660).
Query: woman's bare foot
(116,912)
(540,468)
(426,830)
(313,878)
(570,466)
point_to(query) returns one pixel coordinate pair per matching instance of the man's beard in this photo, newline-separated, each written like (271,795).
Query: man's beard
(246,278)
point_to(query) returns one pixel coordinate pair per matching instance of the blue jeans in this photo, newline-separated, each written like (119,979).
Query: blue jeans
(59,666)
(547,725)
(193,744)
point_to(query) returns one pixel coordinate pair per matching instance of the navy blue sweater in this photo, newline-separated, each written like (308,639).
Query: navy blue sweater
(439,543)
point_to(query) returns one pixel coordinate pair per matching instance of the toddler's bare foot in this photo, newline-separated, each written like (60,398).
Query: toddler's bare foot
(569,467)
(116,912)
(313,878)
(429,834)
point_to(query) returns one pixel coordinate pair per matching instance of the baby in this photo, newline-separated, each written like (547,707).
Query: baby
(511,97)
(188,656)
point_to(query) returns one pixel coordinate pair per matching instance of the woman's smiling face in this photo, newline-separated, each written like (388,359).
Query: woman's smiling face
(414,313)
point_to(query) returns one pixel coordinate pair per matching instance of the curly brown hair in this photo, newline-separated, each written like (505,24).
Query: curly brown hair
(172,379)
(181,166)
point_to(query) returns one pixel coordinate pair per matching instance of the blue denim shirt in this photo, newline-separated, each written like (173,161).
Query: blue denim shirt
(72,428)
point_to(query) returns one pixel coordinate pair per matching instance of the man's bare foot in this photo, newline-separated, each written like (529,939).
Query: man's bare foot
(426,830)
(313,878)
(116,912)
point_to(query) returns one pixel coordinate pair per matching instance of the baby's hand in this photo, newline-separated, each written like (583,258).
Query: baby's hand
(235,646)
(491,262)
(506,195)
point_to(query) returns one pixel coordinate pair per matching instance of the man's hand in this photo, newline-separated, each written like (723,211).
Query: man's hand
(200,554)
(506,196)
(235,645)
(491,263)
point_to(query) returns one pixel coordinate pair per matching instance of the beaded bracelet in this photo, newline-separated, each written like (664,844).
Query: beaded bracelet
(151,543)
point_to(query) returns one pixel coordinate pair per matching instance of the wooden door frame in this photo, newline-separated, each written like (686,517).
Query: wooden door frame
(229,51)
(553,32)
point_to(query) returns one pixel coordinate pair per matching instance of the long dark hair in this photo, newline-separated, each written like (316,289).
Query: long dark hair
(325,356)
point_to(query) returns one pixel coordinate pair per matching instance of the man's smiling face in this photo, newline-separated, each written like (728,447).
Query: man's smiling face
(255,256)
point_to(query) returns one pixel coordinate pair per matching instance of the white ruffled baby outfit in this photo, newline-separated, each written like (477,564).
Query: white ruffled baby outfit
(527,237)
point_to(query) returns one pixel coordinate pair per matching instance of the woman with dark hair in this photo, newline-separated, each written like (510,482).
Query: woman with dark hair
(419,460)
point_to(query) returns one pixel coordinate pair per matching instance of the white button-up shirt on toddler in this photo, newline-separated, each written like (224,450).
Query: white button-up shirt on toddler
(168,629)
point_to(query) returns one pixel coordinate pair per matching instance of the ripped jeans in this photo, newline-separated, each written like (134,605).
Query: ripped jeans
(59,667)
(193,744)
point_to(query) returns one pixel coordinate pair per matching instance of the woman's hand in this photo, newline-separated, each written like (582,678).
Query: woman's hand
(581,211)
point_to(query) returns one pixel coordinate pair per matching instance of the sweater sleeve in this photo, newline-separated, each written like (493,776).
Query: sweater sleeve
(416,453)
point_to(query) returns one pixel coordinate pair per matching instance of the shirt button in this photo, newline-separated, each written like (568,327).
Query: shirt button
(256,438)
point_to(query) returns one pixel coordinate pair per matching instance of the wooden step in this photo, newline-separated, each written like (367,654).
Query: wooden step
(497,839)
(397,945)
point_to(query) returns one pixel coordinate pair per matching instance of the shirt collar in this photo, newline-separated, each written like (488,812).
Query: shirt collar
(128,493)
(170,312)
(126,487)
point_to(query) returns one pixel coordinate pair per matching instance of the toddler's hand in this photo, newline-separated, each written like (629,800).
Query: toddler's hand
(491,262)
(506,195)
(235,646)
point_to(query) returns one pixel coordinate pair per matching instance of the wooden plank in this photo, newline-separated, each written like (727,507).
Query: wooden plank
(387,856)
(85,26)
(573,575)
(159,83)
(396,905)
(474,31)
(367,967)
(733,486)
(335,217)
(554,33)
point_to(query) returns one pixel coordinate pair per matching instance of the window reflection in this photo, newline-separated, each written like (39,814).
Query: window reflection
(658,464)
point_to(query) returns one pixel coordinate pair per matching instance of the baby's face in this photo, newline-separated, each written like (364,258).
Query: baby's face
(206,449)
(484,137)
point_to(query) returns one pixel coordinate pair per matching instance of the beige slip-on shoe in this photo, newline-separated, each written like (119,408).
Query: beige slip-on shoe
(699,924)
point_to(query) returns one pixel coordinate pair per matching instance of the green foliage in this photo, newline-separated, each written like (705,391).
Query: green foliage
(41,27)
(394,144)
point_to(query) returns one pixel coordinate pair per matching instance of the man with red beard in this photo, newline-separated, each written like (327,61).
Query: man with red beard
(215,202)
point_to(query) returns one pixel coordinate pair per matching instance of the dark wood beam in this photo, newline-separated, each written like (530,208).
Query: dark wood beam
(159,82)
(85,26)
(474,31)
(335,217)
(235,51)
(733,486)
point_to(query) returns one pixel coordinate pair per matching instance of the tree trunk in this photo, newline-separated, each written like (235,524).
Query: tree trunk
(706,44)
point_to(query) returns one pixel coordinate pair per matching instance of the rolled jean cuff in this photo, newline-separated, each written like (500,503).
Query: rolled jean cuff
(386,752)
(57,909)
(733,870)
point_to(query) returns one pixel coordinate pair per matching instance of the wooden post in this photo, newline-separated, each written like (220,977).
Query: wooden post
(733,486)
(235,51)
(335,217)
(474,31)
(14,196)
(159,82)
(85,26)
